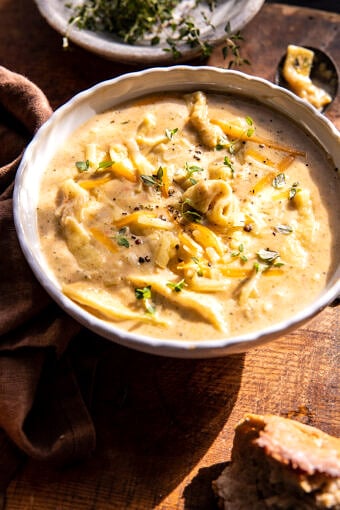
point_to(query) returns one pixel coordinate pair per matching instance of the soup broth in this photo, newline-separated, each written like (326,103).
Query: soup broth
(190,215)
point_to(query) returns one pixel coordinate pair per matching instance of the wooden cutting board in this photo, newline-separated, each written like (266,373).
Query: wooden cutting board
(165,426)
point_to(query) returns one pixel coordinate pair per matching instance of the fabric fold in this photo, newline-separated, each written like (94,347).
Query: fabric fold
(42,410)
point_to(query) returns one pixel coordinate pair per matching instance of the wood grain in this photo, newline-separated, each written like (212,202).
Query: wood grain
(165,426)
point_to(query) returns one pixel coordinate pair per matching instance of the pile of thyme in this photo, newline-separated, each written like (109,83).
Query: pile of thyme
(134,20)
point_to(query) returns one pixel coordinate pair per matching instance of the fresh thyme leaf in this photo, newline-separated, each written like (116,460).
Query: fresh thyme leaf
(160,174)
(267,255)
(256,267)
(240,253)
(121,238)
(190,213)
(227,28)
(293,190)
(228,163)
(177,287)
(193,215)
(268,259)
(284,229)
(105,164)
(143,293)
(292,193)
(191,169)
(279,181)
(169,133)
(172,49)
(154,180)
(149,180)
(83,166)
(122,241)
(199,271)
(225,51)
(155,40)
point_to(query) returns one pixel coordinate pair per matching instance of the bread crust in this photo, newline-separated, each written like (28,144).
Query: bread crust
(279,463)
(293,443)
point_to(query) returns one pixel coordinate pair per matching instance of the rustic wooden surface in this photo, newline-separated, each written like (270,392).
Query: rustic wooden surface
(165,426)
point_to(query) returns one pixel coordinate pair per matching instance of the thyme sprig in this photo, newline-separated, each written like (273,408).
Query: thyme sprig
(232,47)
(155,180)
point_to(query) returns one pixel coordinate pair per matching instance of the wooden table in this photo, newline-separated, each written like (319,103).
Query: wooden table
(165,426)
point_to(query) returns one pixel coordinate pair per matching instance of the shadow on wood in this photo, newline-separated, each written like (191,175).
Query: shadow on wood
(155,419)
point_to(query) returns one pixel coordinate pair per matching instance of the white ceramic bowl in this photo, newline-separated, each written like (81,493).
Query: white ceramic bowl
(108,94)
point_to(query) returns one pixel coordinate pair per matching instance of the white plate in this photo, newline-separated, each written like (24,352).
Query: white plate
(237,12)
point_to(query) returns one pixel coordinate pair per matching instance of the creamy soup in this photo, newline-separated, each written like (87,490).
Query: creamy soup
(191,216)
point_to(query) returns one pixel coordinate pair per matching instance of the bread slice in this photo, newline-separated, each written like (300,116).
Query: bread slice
(279,463)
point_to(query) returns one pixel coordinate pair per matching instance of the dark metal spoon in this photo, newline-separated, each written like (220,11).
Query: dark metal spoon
(323,74)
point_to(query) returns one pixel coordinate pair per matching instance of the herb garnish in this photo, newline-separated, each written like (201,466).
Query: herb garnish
(229,164)
(250,130)
(122,239)
(268,258)
(293,190)
(150,180)
(154,180)
(284,229)
(191,169)
(83,166)
(222,144)
(267,255)
(189,33)
(105,164)
(133,20)
(189,212)
(145,295)
(169,133)
(177,287)
(279,181)
(199,271)
(240,253)
(231,45)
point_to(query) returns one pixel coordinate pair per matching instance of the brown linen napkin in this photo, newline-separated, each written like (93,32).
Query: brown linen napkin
(42,412)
